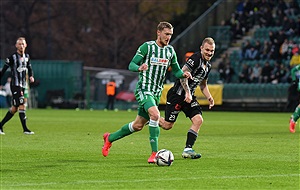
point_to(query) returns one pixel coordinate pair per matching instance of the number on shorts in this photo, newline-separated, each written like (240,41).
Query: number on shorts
(172,117)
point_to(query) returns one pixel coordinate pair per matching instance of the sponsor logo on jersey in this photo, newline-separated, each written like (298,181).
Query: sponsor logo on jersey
(21,69)
(159,61)
(22,59)
(177,107)
(190,62)
(175,112)
(194,104)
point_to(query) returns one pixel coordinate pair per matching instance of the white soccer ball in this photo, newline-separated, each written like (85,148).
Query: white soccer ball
(164,157)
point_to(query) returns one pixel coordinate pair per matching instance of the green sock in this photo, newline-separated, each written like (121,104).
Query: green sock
(124,131)
(296,114)
(154,133)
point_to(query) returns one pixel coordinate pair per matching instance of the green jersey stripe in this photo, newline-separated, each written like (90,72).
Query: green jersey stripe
(158,60)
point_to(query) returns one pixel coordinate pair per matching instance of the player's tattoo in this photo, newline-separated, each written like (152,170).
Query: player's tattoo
(184,84)
(184,81)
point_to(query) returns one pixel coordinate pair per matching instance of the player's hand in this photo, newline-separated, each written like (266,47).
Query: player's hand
(31,79)
(211,102)
(143,67)
(295,82)
(188,75)
(188,97)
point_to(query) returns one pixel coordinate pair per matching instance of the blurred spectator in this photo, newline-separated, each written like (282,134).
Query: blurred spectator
(266,73)
(276,38)
(229,72)
(281,36)
(8,91)
(251,54)
(277,73)
(297,32)
(266,50)
(2,91)
(111,94)
(288,26)
(258,46)
(295,49)
(256,73)
(281,5)
(284,74)
(265,17)
(245,46)
(235,26)
(278,18)
(222,65)
(292,8)
(240,7)
(221,70)
(295,60)
(244,75)
(286,49)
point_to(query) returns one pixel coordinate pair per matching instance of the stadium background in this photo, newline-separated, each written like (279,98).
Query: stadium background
(71,78)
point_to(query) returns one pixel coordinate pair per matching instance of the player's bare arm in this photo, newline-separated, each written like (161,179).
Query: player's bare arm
(185,86)
(206,93)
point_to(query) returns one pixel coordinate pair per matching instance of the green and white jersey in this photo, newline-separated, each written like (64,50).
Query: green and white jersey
(158,60)
(295,72)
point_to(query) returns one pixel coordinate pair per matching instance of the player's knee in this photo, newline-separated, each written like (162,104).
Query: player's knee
(22,107)
(197,121)
(13,109)
(137,126)
(168,125)
(155,117)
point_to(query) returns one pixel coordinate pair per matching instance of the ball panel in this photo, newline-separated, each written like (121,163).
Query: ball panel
(164,157)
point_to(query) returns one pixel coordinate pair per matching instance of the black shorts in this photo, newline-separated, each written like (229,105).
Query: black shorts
(176,103)
(17,95)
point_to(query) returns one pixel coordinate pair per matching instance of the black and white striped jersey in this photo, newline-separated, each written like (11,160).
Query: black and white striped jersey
(20,66)
(199,69)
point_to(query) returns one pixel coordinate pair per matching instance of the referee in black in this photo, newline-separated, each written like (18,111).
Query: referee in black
(19,64)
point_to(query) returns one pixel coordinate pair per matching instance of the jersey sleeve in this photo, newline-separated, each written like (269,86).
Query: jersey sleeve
(294,72)
(175,66)
(29,67)
(209,69)
(5,66)
(138,58)
(192,62)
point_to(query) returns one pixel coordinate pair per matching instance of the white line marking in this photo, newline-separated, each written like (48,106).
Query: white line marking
(150,180)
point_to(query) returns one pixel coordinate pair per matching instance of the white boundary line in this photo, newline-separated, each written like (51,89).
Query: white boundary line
(146,180)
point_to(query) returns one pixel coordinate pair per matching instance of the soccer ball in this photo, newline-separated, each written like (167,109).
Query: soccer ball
(164,157)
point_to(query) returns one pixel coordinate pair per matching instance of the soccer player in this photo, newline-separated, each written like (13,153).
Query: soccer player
(151,60)
(295,116)
(19,64)
(181,96)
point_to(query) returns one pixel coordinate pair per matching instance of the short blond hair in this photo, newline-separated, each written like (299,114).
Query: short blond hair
(163,25)
(208,40)
(20,38)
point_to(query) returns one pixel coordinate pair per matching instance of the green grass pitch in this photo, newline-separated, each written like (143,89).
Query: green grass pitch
(240,150)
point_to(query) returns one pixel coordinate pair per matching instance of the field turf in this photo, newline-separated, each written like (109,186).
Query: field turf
(240,150)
